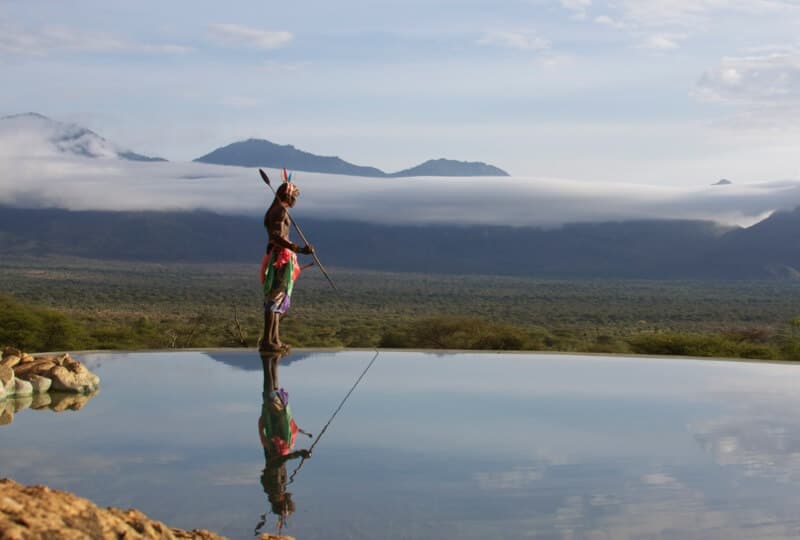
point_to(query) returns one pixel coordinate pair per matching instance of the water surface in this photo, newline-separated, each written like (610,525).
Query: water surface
(435,445)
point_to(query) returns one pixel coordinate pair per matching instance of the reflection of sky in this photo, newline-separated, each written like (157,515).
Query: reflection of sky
(437,446)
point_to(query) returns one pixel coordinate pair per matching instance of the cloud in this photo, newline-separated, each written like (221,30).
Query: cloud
(691,13)
(234,35)
(663,42)
(606,20)
(110,184)
(762,88)
(577,7)
(37,168)
(20,41)
(514,40)
(767,79)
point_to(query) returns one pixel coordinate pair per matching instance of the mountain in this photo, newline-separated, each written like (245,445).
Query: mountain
(449,167)
(723,182)
(262,153)
(39,135)
(674,249)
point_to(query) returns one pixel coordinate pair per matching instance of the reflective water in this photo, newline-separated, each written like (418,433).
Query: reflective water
(435,446)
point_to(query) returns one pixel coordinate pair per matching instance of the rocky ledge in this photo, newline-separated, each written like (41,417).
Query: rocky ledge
(38,512)
(22,374)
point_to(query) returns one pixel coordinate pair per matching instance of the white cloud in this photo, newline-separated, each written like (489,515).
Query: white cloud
(577,7)
(48,40)
(235,35)
(663,42)
(770,79)
(514,40)
(33,167)
(688,13)
(606,20)
(84,183)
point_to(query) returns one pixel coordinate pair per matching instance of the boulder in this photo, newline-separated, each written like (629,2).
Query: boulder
(10,361)
(7,380)
(11,351)
(22,388)
(38,511)
(40,384)
(74,378)
(25,370)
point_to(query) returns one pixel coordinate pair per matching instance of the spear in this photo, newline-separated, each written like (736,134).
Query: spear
(265,178)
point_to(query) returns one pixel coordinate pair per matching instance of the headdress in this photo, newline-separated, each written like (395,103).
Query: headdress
(291,189)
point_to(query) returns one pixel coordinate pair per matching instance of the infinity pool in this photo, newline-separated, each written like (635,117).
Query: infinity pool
(434,445)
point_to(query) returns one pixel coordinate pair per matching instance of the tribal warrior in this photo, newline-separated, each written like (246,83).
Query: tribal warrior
(280,268)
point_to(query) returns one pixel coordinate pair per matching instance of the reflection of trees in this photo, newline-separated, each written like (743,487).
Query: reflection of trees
(54,401)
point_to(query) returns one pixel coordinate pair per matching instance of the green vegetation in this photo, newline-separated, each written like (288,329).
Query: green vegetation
(67,304)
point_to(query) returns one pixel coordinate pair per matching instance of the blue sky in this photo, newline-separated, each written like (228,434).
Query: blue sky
(667,92)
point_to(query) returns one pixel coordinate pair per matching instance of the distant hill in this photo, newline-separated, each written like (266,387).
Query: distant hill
(723,182)
(449,167)
(263,153)
(632,249)
(55,137)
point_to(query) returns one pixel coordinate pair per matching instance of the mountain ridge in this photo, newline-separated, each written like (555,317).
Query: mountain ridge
(70,138)
(644,249)
(264,153)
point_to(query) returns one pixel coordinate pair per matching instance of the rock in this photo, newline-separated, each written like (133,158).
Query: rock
(40,384)
(11,351)
(25,370)
(22,388)
(10,361)
(26,358)
(38,511)
(7,379)
(74,378)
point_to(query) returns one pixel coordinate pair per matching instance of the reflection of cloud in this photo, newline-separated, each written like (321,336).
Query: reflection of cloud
(763,446)
(658,479)
(231,474)
(517,478)
(762,436)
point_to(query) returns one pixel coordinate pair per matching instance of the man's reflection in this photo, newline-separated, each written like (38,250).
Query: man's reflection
(277,430)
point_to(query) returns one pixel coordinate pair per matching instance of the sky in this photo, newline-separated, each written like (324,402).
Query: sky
(655,92)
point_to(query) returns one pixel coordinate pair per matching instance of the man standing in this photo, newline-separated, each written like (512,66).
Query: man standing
(279,268)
